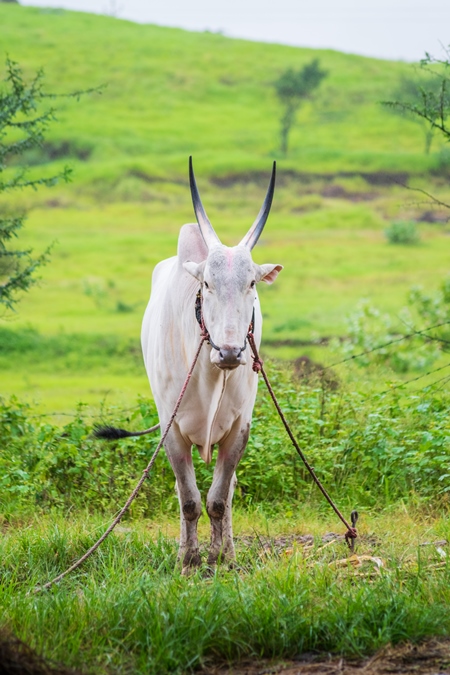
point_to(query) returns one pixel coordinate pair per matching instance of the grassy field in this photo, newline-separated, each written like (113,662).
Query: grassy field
(98,283)
(170,93)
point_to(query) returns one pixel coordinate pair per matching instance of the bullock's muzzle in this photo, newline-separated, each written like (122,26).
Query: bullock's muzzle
(230,357)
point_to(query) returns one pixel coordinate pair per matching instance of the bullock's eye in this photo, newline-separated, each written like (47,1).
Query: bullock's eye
(206,285)
(252,285)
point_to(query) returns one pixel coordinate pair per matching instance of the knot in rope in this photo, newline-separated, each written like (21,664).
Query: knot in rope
(350,537)
(257,364)
(351,533)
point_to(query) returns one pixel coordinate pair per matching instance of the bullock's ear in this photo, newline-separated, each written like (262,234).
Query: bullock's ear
(267,273)
(196,269)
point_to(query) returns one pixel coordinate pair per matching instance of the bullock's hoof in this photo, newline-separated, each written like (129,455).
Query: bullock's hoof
(214,559)
(224,557)
(211,568)
(191,561)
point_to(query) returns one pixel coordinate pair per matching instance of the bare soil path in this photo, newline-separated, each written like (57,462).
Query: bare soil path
(429,658)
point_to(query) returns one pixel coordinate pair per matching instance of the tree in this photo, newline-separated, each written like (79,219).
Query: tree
(432,107)
(24,120)
(428,101)
(292,88)
(411,92)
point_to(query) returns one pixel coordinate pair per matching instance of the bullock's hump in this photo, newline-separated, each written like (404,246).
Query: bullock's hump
(191,245)
(162,271)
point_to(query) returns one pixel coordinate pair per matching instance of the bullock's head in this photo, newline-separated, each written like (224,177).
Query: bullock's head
(228,277)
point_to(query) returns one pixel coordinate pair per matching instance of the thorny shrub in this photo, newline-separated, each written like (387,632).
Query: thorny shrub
(413,340)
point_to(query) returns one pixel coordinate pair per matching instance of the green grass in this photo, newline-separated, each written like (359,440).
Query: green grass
(331,258)
(127,610)
(98,281)
(171,93)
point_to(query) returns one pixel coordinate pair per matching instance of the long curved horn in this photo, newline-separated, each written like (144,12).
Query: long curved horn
(254,232)
(205,226)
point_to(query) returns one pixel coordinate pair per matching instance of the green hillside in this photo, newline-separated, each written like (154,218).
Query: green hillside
(170,93)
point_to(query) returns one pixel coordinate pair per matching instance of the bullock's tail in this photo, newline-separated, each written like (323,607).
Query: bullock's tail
(113,433)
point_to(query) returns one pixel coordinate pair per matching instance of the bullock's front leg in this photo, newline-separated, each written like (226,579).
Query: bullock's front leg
(220,495)
(180,458)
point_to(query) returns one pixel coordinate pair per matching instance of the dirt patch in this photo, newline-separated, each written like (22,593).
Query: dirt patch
(339,192)
(309,371)
(429,658)
(147,178)
(52,150)
(62,149)
(381,178)
(284,544)
(54,204)
(434,217)
(17,658)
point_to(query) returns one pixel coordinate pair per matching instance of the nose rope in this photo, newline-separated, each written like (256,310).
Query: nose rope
(201,323)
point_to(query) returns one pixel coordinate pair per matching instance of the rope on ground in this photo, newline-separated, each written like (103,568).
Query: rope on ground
(258,367)
(136,490)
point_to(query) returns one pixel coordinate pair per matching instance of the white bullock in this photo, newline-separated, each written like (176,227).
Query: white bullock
(218,405)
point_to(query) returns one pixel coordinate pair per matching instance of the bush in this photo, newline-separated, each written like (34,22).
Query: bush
(368,453)
(402,232)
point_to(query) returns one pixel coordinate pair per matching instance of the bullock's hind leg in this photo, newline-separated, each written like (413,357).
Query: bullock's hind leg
(180,457)
(220,495)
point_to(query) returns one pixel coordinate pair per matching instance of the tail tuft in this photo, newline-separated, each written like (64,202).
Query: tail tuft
(111,433)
